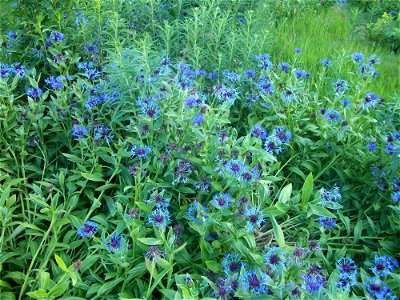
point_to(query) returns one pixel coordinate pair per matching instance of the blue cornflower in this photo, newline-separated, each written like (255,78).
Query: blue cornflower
(78,131)
(5,70)
(341,86)
(284,66)
(232,263)
(222,289)
(182,172)
(370,100)
(347,269)
(94,101)
(12,35)
(54,82)
(57,36)
(151,110)
(332,115)
(273,144)
(377,288)
(326,62)
(264,61)
(374,59)
(91,48)
(250,73)
(194,100)
(221,200)
(383,265)
(154,253)
(282,134)
(259,131)
(358,57)
(231,76)
(368,70)
(298,50)
(396,197)
(275,258)
(314,283)
(328,223)
(265,85)
(197,212)
(224,93)
(19,70)
(88,229)
(250,100)
(235,167)
(392,149)
(34,92)
(158,200)
(198,119)
(212,75)
(103,132)
(254,218)
(140,151)
(201,73)
(159,217)
(330,196)
(115,243)
(345,102)
(253,282)
(371,146)
(203,184)
(299,73)
(288,96)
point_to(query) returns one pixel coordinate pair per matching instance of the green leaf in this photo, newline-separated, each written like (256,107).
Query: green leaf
(150,241)
(61,263)
(93,177)
(279,237)
(284,195)
(307,189)
(213,266)
(358,230)
(321,211)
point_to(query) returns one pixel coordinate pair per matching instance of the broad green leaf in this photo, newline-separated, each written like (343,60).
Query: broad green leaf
(150,241)
(213,266)
(61,263)
(284,196)
(307,189)
(93,177)
(279,237)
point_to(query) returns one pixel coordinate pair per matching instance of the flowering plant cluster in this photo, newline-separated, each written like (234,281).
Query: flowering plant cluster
(128,171)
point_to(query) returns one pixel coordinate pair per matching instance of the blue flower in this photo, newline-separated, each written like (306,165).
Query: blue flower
(298,50)
(332,115)
(34,92)
(194,100)
(19,70)
(347,271)
(57,36)
(253,282)
(221,200)
(288,96)
(358,57)
(224,93)
(346,102)
(197,212)
(275,258)
(254,218)
(326,62)
(370,100)
(328,223)
(232,264)
(259,131)
(5,70)
(377,288)
(55,82)
(140,151)
(264,61)
(79,131)
(231,76)
(314,283)
(150,110)
(282,134)
(115,243)
(396,197)
(341,86)
(198,119)
(159,217)
(383,265)
(12,35)
(273,144)
(299,73)
(88,229)
(374,60)
(154,253)
(182,172)
(371,146)
(91,48)
(265,85)
(250,73)
(330,196)
(213,75)
(103,132)
(284,66)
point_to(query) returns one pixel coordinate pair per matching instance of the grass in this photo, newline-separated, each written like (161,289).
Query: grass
(328,32)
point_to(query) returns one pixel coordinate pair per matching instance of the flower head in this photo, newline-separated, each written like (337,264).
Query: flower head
(56,36)
(159,217)
(115,243)
(34,92)
(232,263)
(88,229)
(328,223)
(198,119)
(253,282)
(275,258)
(140,151)
(254,218)
(221,200)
